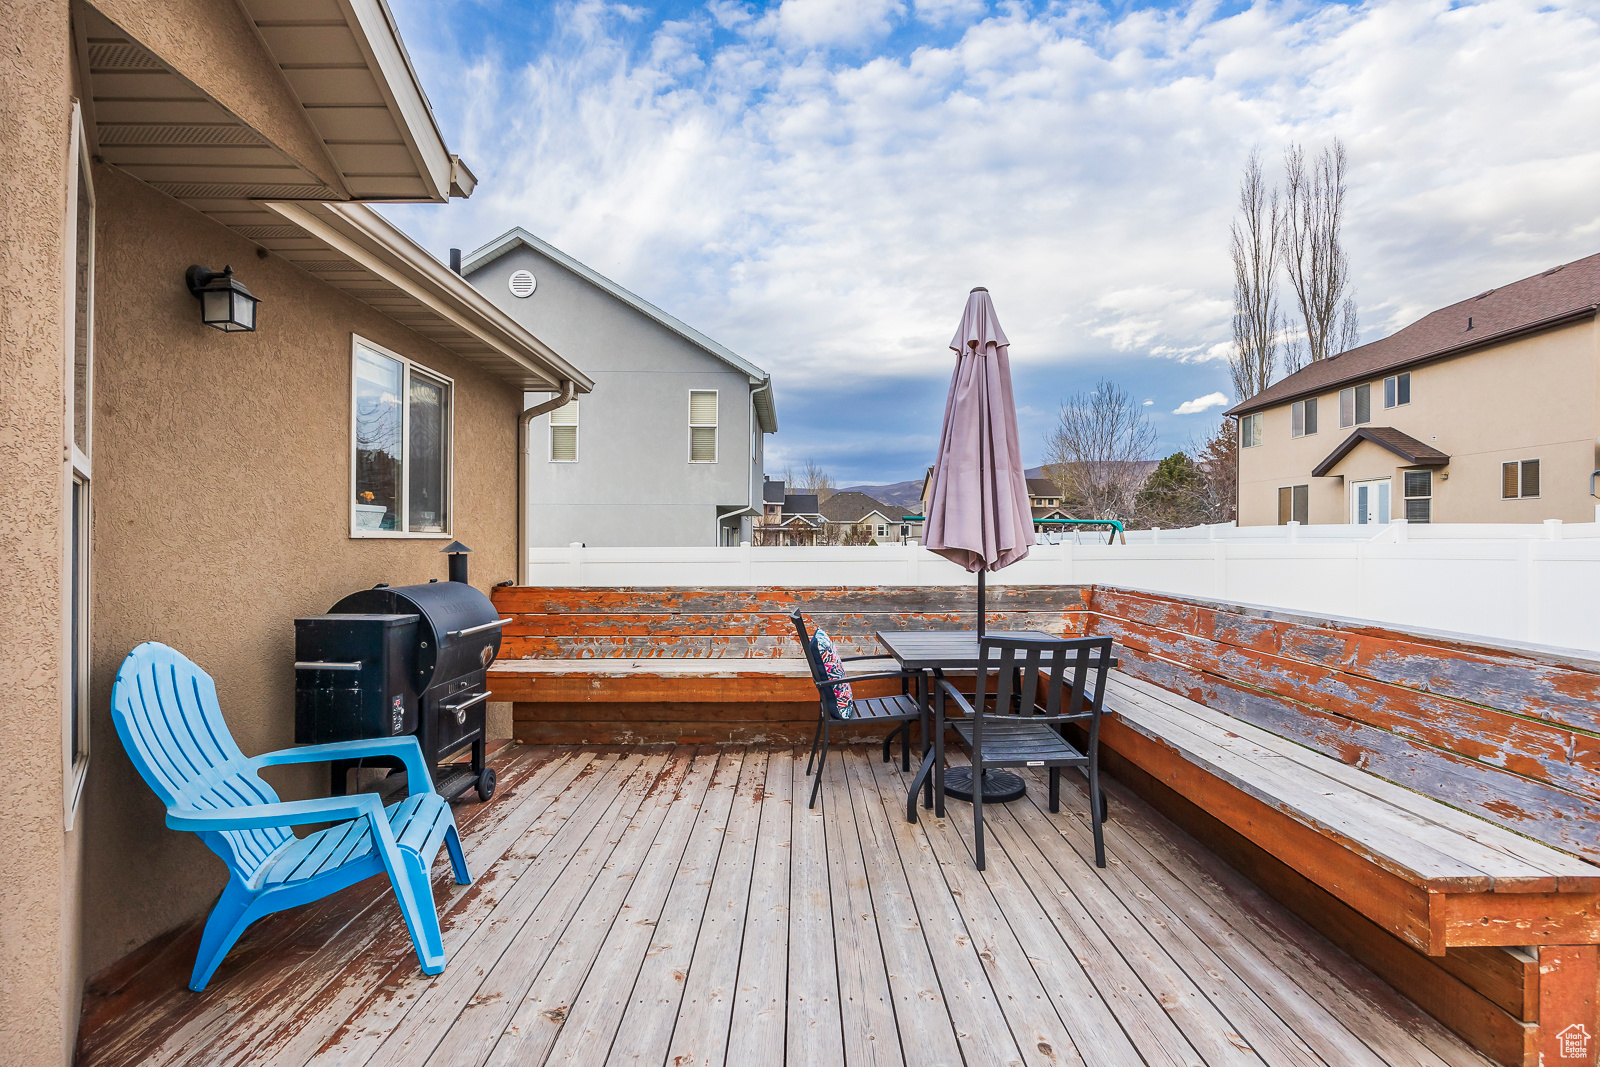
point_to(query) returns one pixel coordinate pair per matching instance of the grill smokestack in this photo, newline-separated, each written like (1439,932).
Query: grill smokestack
(458,560)
(455,260)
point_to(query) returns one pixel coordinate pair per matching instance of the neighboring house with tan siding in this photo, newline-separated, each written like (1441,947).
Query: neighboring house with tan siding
(1484,411)
(168,481)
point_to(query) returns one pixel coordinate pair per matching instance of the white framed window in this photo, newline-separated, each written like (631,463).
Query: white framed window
(1355,405)
(1250,431)
(883,531)
(1294,504)
(402,428)
(1418,486)
(564,433)
(77,467)
(1397,390)
(702,426)
(1519,479)
(1303,418)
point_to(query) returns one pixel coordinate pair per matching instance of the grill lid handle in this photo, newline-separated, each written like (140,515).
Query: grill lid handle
(325,665)
(469,631)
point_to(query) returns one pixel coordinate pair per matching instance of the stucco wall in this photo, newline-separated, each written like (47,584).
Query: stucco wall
(222,474)
(1534,398)
(39,880)
(633,483)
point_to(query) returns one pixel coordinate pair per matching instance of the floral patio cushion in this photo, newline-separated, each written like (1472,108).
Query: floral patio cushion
(831,666)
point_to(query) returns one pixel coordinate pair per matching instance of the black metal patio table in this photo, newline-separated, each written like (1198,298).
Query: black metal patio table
(930,653)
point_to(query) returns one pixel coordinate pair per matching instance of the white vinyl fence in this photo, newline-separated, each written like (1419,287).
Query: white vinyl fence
(1535,583)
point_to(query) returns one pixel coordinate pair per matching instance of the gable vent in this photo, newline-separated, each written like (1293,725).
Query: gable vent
(522,283)
(121,55)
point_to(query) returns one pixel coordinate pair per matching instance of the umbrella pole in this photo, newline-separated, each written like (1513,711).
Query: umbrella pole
(982,605)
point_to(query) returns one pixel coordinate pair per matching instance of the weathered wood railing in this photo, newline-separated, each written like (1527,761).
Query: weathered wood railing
(637,665)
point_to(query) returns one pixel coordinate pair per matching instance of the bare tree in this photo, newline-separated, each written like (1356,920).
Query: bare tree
(1313,255)
(818,481)
(1217,490)
(1099,451)
(1255,249)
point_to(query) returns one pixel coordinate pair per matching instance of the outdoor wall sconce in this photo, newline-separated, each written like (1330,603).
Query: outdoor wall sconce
(224,301)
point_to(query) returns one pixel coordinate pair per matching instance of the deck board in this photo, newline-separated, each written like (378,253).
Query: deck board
(678,906)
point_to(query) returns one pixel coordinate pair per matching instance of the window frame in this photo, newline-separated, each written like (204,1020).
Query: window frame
(1247,423)
(577,432)
(1406,496)
(1519,465)
(1387,391)
(1298,412)
(1354,393)
(77,478)
(714,427)
(357,342)
(1299,504)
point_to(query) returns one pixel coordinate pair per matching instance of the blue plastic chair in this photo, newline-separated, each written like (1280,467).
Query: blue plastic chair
(167,715)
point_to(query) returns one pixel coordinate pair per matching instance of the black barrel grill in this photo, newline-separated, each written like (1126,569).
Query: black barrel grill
(395,660)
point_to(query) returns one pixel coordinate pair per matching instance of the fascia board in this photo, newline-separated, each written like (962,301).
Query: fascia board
(378,37)
(379,247)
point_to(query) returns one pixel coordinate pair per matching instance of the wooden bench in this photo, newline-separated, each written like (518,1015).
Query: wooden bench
(1384,786)
(613,666)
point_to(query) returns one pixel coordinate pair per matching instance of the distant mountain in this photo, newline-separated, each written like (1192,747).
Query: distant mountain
(908,495)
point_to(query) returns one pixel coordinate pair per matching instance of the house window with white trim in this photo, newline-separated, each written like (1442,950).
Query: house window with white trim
(1418,486)
(402,427)
(1303,418)
(1250,431)
(1519,479)
(564,433)
(1355,405)
(1397,390)
(77,477)
(702,426)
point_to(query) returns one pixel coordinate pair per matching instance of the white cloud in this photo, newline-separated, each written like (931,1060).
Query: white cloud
(1147,403)
(824,210)
(1201,403)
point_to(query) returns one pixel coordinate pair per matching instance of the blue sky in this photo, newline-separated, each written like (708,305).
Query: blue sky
(817,183)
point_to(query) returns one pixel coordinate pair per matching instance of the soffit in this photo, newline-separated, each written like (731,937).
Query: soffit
(346,62)
(145,119)
(345,65)
(361,254)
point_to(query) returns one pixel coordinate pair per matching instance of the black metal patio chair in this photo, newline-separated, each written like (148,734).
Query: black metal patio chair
(902,708)
(1009,728)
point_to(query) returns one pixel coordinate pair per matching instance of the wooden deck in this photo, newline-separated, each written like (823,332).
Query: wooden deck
(672,906)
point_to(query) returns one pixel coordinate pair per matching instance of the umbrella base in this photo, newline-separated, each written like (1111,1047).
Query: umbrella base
(999,786)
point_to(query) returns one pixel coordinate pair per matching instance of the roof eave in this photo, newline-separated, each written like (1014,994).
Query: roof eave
(378,36)
(1360,434)
(367,238)
(492,251)
(1249,407)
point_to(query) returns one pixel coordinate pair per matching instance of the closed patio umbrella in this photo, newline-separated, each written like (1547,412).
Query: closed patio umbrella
(979,514)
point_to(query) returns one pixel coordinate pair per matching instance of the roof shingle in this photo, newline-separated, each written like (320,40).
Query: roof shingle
(1571,290)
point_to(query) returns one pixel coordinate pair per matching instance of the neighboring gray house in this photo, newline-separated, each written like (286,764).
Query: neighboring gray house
(667,449)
